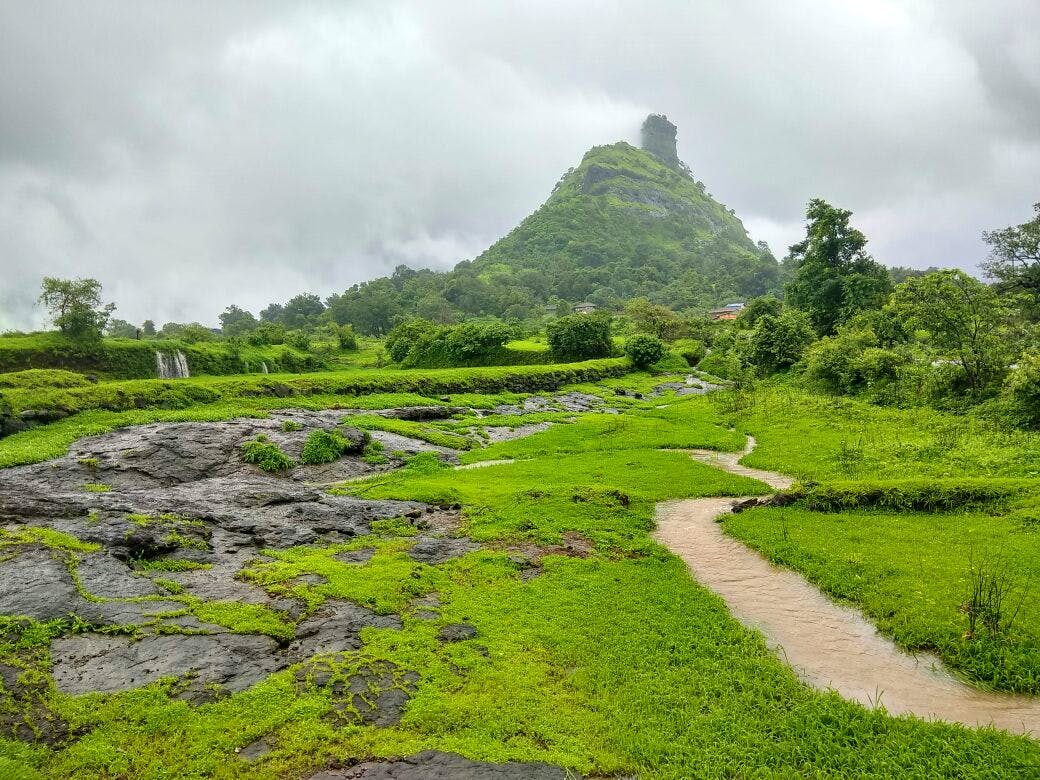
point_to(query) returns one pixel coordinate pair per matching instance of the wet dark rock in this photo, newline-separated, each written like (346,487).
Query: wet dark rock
(374,695)
(364,555)
(456,632)
(436,765)
(335,628)
(438,549)
(23,713)
(98,662)
(783,498)
(254,750)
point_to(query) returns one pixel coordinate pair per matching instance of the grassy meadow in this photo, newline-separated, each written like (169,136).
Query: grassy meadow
(612,661)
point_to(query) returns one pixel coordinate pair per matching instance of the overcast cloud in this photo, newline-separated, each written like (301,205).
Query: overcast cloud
(195,154)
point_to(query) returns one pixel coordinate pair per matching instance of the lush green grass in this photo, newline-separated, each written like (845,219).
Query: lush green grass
(616,664)
(428,432)
(685,424)
(911,573)
(822,437)
(131,358)
(221,398)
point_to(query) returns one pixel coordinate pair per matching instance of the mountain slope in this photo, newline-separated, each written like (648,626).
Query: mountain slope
(623,224)
(627,222)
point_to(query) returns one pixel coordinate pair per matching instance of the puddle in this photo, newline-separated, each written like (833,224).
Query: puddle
(828,645)
(482,463)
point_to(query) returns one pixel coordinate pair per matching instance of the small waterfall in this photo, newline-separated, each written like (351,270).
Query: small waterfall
(263,368)
(172,365)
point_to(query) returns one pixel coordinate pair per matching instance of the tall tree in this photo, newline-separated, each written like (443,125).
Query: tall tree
(834,278)
(235,321)
(965,320)
(1014,260)
(75,307)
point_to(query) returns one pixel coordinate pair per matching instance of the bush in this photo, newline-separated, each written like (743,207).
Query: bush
(721,364)
(323,447)
(691,351)
(297,339)
(266,455)
(579,337)
(1022,388)
(267,334)
(777,343)
(644,350)
(346,338)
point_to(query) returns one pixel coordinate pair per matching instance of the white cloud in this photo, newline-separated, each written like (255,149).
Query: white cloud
(193,156)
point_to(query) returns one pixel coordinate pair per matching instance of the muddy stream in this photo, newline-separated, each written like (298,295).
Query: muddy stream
(829,646)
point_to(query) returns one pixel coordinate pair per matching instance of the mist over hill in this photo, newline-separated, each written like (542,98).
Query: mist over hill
(626,222)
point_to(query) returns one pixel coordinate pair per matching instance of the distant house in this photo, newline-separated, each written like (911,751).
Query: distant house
(584,308)
(550,309)
(727,312)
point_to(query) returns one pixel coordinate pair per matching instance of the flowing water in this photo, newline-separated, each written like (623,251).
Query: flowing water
(263,368)
(172,365)
(828,645)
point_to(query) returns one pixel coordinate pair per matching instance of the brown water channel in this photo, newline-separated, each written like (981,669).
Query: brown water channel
(829,646)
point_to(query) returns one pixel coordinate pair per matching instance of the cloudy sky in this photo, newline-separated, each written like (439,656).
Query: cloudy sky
(195,154)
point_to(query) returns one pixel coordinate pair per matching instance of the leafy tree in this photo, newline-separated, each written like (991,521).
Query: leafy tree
(1014,259)
(195,332)
(121,329)
(302,311)
(267,333)
(644,350)
(1023,388)
(834,278)
(964,318)
(579,337)
(655,319)
(75,307)
(237,322)
(471,341)
(148,329)
(298,339)
(402,338)
(757,308)
(777,343)
(272,313)
(346,338)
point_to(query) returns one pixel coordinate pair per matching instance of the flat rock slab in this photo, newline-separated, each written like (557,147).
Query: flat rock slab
(435,765)
(84,663)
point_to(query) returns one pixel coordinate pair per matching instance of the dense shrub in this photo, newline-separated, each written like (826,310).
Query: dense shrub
(721,364)
(644,350)
(297,339)
(265,455)
(346,338)
(777,343)
(1022,389)
(324,447)
(579,337)
(757,308)
(691,350)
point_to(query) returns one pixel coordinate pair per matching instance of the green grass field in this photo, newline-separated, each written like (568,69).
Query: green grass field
(614,664)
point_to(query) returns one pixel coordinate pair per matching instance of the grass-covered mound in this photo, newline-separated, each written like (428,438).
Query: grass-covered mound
(135,359)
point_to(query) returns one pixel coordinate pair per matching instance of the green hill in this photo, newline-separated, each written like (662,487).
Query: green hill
(627,222)
(623,224)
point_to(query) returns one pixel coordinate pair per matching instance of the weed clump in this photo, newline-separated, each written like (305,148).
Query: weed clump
(265,455)
(324,447)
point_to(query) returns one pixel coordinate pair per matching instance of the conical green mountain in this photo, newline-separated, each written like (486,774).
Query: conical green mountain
(626,223)
(631,222)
